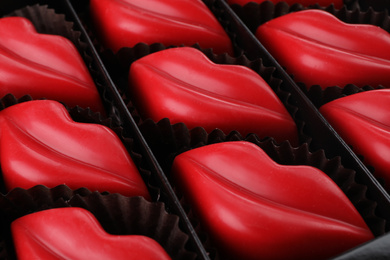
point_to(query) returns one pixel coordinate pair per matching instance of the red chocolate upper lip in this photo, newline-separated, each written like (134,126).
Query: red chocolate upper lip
(212,95)
(172,19)
(32,64)
(332,47)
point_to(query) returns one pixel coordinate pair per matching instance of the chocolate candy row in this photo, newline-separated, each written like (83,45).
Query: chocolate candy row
(53,80)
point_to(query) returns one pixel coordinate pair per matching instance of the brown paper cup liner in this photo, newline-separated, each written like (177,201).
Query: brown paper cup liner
(320,96)
(87,116)
(47,21)
(170,140)
(117,214)
(220,13)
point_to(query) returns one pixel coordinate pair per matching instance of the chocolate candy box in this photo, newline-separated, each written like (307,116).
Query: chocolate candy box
(154,145)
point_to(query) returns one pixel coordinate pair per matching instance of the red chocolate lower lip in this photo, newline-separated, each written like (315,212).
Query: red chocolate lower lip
(319,49)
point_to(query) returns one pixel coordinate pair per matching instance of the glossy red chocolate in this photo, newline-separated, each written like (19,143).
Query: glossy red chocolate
(182,84)
(74,233)
(363,121)
(43,66)
(254,208)
(337,3)
(319,49)
(124,23)
(41,144)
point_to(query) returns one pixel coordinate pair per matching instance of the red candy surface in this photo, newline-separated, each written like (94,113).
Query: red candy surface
(254,208)
(337,3)
(182,84)
(74,233)
(124,23)
(363,121)
(41,144)
(43,66)
(319,49)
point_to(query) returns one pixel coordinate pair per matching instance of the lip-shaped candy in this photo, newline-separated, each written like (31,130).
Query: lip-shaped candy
(319,49)
(44,66)
(182,84)
(41,144)
(124,23)
(75,233)
(363,121)
(254,208)
(336,3)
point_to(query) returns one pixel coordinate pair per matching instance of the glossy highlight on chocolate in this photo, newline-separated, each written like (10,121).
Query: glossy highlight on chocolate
(254,208)
(319,49)
(44,66)
(75,233)
(41,145)
(124,23)
(182,84)
(363,121)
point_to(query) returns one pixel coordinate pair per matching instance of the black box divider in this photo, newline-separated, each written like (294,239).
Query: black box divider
(128,123)
(324,136)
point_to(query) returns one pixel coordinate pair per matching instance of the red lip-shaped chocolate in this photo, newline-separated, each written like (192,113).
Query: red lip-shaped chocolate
(74,233)
(124,23)
(182,84)
(43,66)
(336,3)
(319,49)
(254,208)
(41,144)
(362,120)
